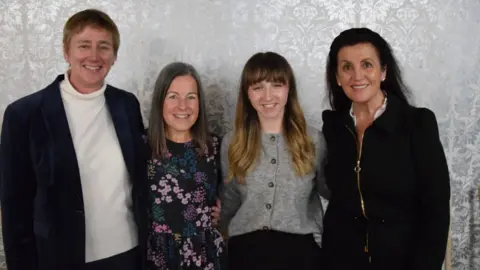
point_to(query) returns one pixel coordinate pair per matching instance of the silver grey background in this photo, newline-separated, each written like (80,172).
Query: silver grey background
(437,43)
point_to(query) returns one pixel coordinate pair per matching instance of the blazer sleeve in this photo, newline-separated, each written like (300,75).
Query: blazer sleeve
(17,193)
(138,115)
(141,155)
(432,173)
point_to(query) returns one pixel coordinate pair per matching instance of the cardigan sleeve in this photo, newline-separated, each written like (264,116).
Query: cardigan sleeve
(229,196)
(434,198)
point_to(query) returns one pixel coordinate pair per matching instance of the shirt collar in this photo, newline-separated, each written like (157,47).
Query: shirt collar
(377,114)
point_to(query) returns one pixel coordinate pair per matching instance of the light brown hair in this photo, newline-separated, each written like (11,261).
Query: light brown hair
(93,18)
(245,146)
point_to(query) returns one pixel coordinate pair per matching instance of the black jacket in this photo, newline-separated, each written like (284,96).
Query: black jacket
(42,207)
(405,187)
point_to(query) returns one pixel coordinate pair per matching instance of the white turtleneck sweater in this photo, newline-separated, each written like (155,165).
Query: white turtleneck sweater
(109,224)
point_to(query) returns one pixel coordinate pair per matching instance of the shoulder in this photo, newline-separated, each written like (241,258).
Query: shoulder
(424,120)
(331,120)
(423,115)
(30,105)
(124,94)
(416,117)
(329,116)
(26,105)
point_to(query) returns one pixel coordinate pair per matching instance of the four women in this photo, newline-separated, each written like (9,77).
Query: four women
(81,189)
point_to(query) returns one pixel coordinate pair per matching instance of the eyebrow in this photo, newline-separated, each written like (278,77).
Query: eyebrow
(363,60)
(175,92)
(89,42)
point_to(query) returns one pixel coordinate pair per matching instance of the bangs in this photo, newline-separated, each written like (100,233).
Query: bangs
(270,70)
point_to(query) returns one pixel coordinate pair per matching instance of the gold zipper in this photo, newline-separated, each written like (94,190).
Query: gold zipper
(357,170)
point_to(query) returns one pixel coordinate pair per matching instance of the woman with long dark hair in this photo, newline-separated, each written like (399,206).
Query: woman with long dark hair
(386,168)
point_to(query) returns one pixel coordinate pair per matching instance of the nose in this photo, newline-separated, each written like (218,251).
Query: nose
(358,74)
(94,53)
(182,103)
(267,94)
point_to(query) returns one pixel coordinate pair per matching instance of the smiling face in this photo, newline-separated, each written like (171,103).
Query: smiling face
(360,72)
(181,106)
(268,99)
(90,55)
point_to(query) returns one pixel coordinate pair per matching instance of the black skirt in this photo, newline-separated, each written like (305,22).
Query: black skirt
(274,250)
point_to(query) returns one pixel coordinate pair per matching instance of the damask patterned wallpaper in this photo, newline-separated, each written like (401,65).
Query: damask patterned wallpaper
(436,41)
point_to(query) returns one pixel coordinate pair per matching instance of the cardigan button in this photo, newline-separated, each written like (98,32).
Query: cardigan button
(272,138)
(273,161)
(270,184)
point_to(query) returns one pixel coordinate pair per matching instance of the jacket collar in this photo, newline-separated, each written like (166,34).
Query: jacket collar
(57,125)
(389,121)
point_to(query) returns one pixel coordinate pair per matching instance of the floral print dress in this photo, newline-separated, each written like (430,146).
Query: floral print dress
(183,189)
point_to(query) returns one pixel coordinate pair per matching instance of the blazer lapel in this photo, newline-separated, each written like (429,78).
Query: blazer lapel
(65,159)
(122,126)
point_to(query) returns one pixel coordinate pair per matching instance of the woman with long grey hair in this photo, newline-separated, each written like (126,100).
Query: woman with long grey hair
(183,175)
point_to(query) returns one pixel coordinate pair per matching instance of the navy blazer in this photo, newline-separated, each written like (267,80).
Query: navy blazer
(43,220)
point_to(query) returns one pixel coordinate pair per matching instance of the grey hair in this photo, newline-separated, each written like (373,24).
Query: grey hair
(157,126)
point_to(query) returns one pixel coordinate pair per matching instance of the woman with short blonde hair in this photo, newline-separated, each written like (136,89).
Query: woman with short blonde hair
(73,163)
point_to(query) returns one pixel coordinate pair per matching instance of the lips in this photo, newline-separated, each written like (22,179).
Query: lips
(359,86)
(93,68)
(181,116)
(269,106)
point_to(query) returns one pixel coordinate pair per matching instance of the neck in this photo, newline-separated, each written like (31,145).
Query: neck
(367,110)
(179,136)
(81,88)
(271,126)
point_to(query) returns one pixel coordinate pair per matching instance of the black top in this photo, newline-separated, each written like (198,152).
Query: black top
(403,182)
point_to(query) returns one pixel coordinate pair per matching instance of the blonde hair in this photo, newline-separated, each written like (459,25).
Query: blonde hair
(245,146)
(93,18)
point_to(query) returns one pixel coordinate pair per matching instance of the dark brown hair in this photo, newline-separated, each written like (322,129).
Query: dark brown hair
(393,84)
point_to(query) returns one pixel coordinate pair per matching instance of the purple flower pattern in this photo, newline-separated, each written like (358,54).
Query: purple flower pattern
(183,189)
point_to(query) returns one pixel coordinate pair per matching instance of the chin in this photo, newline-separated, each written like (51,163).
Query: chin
(270,115)
(93,80)
(361,98)
(182,128)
